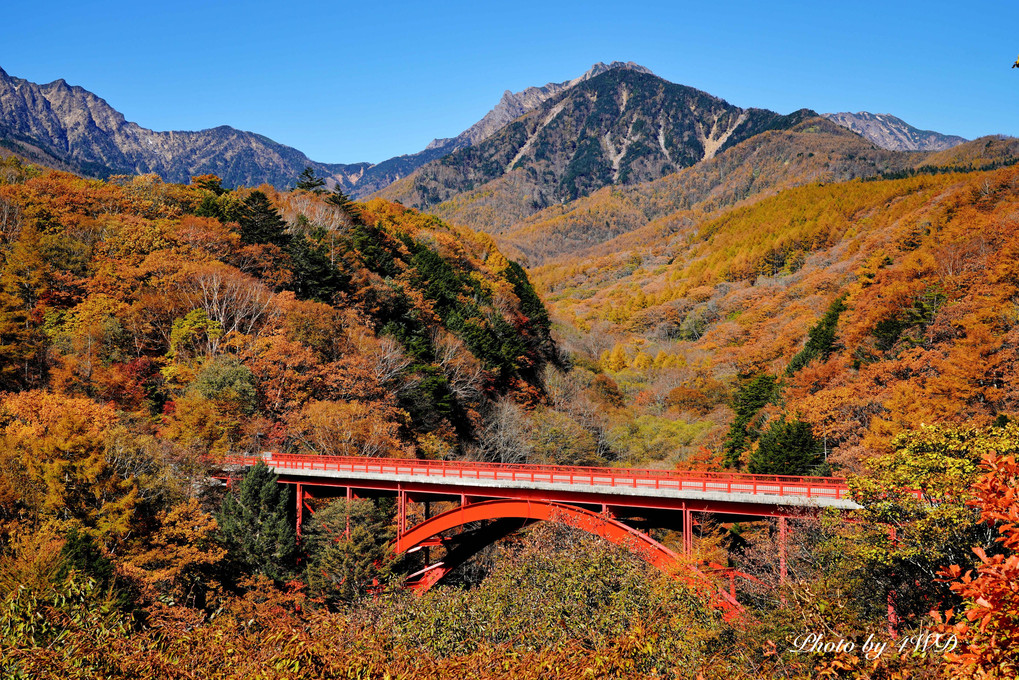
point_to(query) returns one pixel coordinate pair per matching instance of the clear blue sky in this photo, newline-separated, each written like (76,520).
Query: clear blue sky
(348,82)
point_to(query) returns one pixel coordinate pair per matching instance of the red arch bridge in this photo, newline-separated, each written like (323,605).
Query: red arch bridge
(618,504)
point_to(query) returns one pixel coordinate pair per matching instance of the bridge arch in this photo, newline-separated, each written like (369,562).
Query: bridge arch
(610,529)
(510,515)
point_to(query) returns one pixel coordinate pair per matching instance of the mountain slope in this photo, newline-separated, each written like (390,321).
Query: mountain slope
(588,248)
(815,150)
(893,133)
(925,268)
(620,127)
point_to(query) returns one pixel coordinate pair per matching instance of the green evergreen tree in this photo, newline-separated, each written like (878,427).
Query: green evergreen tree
(82,553)
(307,181)
(254,525)
(345,567)
(343,202)
(261,223)
(786,448)
(820,338)
(749,399)
(315,277)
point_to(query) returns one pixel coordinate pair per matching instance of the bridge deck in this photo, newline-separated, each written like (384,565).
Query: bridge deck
(613,485)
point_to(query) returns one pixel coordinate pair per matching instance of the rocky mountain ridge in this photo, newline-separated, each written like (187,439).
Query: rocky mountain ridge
(515,104)
(74,125)
(511,106)
(895,134)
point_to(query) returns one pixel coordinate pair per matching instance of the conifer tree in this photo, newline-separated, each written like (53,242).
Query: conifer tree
(343,202)
(307,181)
(260,223)
(750,399)
(785,448)
(254,525)
(345,565)
(820,338)
(315,277)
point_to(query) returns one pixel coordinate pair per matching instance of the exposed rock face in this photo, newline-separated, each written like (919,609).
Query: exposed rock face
(620,126)
(515,104)
(82,130)
(889,132)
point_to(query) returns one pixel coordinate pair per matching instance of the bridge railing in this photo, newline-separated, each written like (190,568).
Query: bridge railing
(776,485)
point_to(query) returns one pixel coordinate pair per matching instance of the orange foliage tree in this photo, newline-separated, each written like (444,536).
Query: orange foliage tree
(988,628)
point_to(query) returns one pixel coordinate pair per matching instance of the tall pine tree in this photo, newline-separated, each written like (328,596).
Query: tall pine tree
(343,202)
(260,223)
(820,338)
(308,181)
(751,398)
(254,525)
(315,277)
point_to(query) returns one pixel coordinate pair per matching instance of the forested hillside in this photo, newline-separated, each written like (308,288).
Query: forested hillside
(621,219)
(253,319)
(149,330)
(922,332)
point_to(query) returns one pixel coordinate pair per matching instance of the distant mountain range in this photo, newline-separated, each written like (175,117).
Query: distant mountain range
(642,128)
(80,129)
(893,133)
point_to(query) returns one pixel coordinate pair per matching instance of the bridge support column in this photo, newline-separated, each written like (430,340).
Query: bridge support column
(350,498)
(300,509)
(687,530)
(401,511)
(781,550)
(303,496)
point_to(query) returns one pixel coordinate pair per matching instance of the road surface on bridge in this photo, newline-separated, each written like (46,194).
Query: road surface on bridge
(614,486)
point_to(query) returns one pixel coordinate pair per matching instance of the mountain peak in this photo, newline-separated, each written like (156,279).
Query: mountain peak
(602,67)
(512,105)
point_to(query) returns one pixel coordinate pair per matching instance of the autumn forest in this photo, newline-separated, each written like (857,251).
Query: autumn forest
(793,301)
